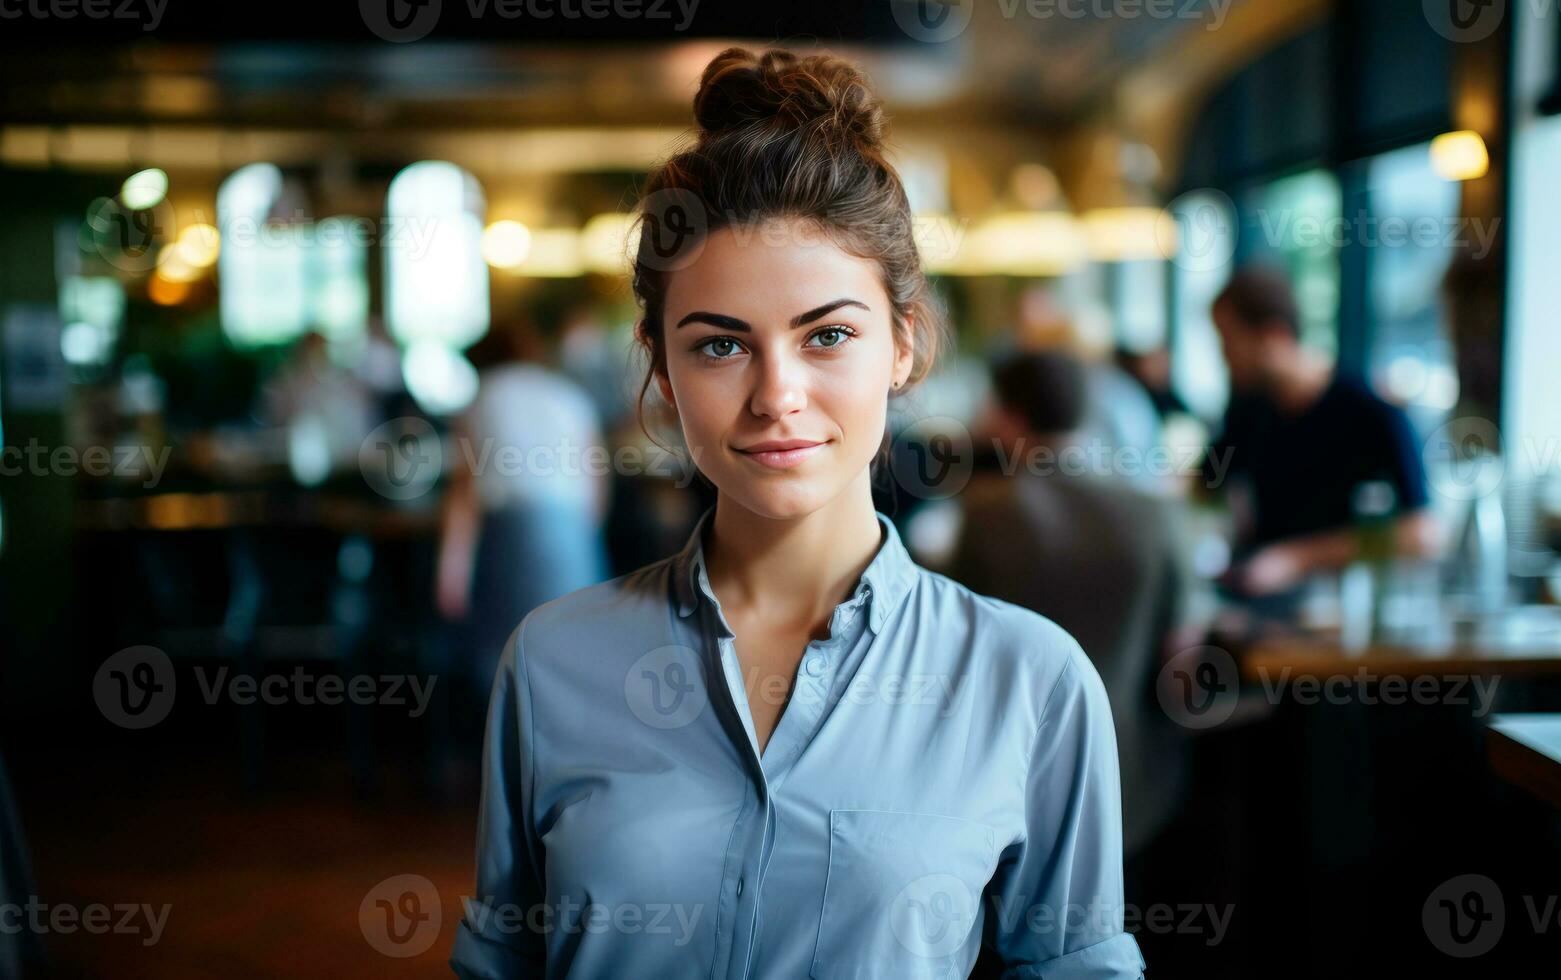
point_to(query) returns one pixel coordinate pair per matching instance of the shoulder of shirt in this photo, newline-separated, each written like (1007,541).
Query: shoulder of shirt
(628,601)
(1017,642)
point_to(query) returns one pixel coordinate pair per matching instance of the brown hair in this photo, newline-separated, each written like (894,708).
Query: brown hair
(782,136)
(1260,295)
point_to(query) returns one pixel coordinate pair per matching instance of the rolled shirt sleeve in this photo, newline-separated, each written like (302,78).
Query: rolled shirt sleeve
(497,936)
(1057,902)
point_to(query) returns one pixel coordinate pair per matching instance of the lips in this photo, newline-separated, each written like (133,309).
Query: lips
(782,454)
(779,445)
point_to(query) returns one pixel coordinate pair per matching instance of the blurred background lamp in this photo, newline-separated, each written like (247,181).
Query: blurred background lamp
(145,189)
(505,244)
(604,243)
(83,343)
(166,292)
(555,253)
(1460,156)
(198,245)
(440,380)
(1126,234)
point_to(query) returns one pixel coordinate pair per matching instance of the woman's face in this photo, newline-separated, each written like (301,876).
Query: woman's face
(780,356)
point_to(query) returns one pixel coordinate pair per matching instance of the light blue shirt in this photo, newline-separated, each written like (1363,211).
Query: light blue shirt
(943,775)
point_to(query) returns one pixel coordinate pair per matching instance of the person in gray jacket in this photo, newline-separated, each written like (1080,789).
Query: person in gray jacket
(1099,557)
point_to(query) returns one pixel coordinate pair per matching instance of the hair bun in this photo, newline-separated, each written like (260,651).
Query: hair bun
(740,90)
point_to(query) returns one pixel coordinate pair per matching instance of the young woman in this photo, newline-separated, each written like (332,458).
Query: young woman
(788,750)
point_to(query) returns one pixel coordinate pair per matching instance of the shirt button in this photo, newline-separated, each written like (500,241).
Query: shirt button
(739,886)
(814,666)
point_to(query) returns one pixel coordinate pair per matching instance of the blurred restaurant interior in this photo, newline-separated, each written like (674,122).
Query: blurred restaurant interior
(274,284)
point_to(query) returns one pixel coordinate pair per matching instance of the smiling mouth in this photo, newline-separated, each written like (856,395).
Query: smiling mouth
(791,453)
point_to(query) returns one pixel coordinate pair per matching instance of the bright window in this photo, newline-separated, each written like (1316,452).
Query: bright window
(436,282)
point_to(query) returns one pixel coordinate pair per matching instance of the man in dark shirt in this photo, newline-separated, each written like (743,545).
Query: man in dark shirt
(1317,451)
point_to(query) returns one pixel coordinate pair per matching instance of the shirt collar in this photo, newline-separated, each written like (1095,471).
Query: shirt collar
(886,580)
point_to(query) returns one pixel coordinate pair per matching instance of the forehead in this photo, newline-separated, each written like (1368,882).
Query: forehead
(775,270)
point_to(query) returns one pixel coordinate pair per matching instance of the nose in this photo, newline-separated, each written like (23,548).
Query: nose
(779,386)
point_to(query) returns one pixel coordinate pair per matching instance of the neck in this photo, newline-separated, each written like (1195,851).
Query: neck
(794,570)
(1299,381)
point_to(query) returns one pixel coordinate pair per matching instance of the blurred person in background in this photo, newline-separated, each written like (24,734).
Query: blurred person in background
(326,409)
(1152,369)
(1101,558)
(1314,447)
(1117,412)
(527,500)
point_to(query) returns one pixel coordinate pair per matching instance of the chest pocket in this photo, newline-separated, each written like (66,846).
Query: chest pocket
(903,894)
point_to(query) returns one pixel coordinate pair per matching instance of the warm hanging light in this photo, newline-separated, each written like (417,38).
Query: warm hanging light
(1460,156)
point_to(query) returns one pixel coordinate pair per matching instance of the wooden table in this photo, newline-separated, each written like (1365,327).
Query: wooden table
(1531,647)
(1525,749)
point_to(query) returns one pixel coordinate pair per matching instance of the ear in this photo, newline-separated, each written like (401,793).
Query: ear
(904,353)
(666,389)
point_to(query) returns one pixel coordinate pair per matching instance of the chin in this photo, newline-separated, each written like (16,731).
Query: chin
(782,499)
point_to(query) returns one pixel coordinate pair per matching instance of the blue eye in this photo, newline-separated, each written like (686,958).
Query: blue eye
(717,348)
(841,335)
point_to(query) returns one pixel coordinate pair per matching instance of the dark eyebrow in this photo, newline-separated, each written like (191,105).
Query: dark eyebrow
(741,326)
